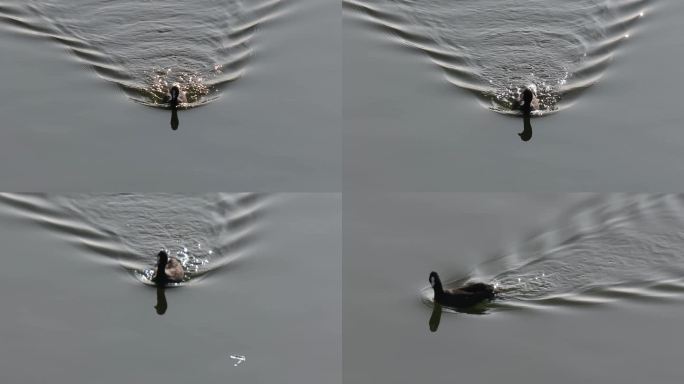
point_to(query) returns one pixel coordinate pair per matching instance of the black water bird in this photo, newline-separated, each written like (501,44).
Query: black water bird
(527,102)
(467,296)
(169,269)
(176,95)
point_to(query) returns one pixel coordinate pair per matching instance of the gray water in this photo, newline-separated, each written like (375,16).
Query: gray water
(421,80)
(75,309)
(144,47)
(495,48)
(79,79)
(591,288)
(391,95)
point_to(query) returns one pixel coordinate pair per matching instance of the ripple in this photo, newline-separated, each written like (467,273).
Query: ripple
(495,49)
(145,46)
(615,248)
(206,233)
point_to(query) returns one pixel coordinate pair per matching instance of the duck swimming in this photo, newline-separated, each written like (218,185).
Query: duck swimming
(169,269)
(176,95)
(466,296)
(529,102)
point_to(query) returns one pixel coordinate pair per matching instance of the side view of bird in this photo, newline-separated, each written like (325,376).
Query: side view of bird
(463,297)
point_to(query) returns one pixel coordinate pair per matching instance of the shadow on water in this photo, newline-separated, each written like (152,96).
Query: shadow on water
(607,249)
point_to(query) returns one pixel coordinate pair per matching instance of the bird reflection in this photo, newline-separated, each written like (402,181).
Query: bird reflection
(169,269)
(175,96)
(471,298)
(174,118)
(161,300)
(528,103)
(435,317)
(526,134)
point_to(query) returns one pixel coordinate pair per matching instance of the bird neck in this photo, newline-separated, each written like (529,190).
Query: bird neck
(161,271)
(526,109)
(439,291)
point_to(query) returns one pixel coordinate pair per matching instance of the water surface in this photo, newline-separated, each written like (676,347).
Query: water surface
(496,49)
(411,129)
(607,299)
(68,84)
(204,232)
(145,47)
(76,311)
(609,249)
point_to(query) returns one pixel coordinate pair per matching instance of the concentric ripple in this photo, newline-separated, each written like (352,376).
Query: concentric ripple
(205,232)
(616,248)
(146,46)
(497,48)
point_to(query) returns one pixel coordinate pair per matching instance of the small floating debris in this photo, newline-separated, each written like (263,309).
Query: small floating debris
(239,359)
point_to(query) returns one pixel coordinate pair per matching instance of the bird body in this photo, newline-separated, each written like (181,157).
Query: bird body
(176,95)
(463,297)
(169,269)
(529,102)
